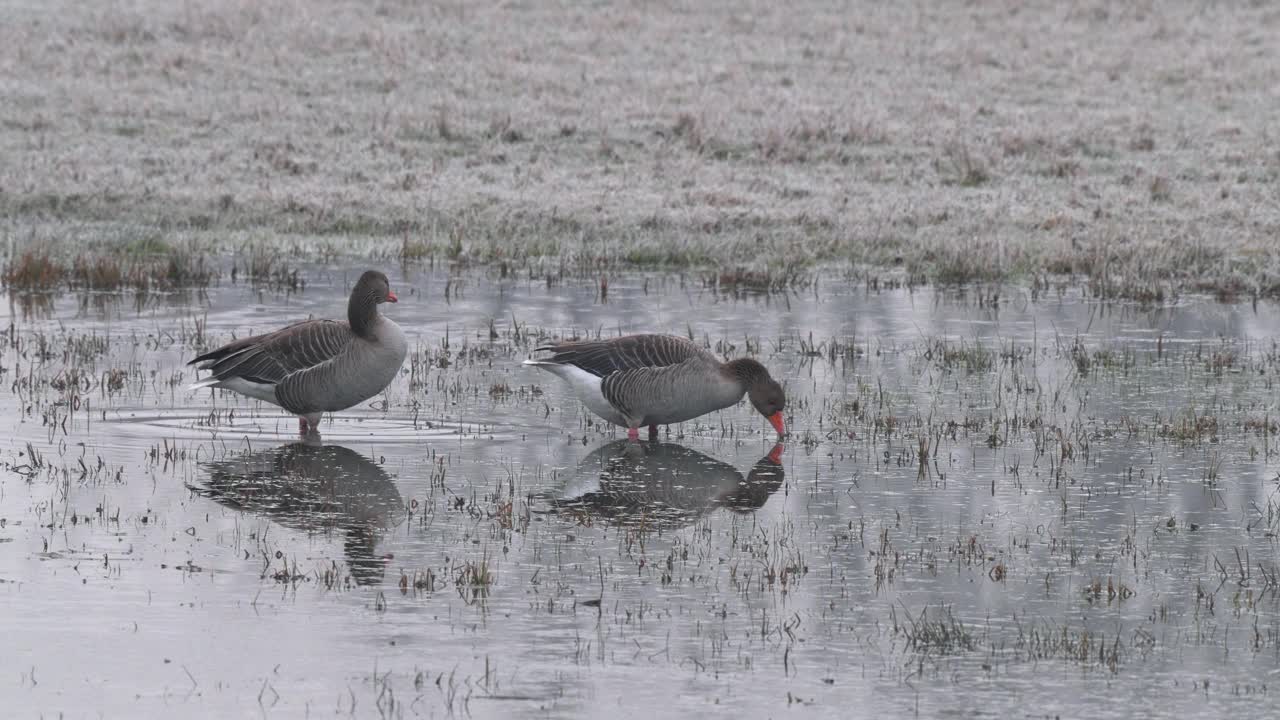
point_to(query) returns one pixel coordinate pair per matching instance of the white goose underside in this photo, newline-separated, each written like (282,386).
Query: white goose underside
(586,386)
(259,391)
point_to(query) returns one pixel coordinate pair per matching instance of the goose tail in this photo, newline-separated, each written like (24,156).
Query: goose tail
(205,383)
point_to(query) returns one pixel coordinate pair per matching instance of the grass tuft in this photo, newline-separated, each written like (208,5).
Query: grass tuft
(34,270)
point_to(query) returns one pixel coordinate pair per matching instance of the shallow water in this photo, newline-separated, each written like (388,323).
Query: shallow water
(1093,525)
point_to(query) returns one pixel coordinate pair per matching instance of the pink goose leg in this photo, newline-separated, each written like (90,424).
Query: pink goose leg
(633,433)
(653,433)
(309,424)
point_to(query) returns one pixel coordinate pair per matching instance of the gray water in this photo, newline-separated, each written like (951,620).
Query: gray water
(1091,532)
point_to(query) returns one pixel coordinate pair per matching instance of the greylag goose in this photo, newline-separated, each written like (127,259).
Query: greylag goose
(656,380)
(664,485)
(313,488)
(316,366)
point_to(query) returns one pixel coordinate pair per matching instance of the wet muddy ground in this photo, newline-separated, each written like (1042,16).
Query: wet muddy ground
(1000,502)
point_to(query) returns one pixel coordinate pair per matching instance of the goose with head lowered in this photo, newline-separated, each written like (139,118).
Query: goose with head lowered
(654,380)
(316,366)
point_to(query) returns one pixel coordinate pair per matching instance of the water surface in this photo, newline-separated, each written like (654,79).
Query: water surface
(990,503)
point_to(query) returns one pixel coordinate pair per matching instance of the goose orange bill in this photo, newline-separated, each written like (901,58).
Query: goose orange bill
(776,421)
(391,297)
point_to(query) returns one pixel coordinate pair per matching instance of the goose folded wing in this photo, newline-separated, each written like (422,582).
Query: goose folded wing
(638,392)
(304,391)
(605,357)
(273,357)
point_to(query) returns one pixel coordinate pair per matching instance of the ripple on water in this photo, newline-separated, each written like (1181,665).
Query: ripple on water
(144,427)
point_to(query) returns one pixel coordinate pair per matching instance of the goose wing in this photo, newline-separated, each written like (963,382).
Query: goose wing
(273,357)
(603,358)
(663,395)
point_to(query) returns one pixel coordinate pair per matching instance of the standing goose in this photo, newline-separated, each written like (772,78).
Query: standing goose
(656,380)
(316,366)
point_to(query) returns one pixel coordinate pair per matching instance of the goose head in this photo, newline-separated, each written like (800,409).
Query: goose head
(769,399)
(765,393)
(373,287)
(371,290)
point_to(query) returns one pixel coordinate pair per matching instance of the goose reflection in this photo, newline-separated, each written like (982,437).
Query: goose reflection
(665,485)
(314,488)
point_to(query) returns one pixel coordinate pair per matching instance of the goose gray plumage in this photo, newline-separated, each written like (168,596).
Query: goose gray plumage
(316,366)
(656,380)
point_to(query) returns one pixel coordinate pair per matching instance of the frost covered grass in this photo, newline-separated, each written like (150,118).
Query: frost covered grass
(953,144)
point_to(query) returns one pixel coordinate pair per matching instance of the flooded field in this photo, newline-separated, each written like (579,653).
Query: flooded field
(1000,502)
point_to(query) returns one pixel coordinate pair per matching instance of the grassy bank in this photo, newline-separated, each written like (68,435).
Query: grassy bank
(1127,148)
